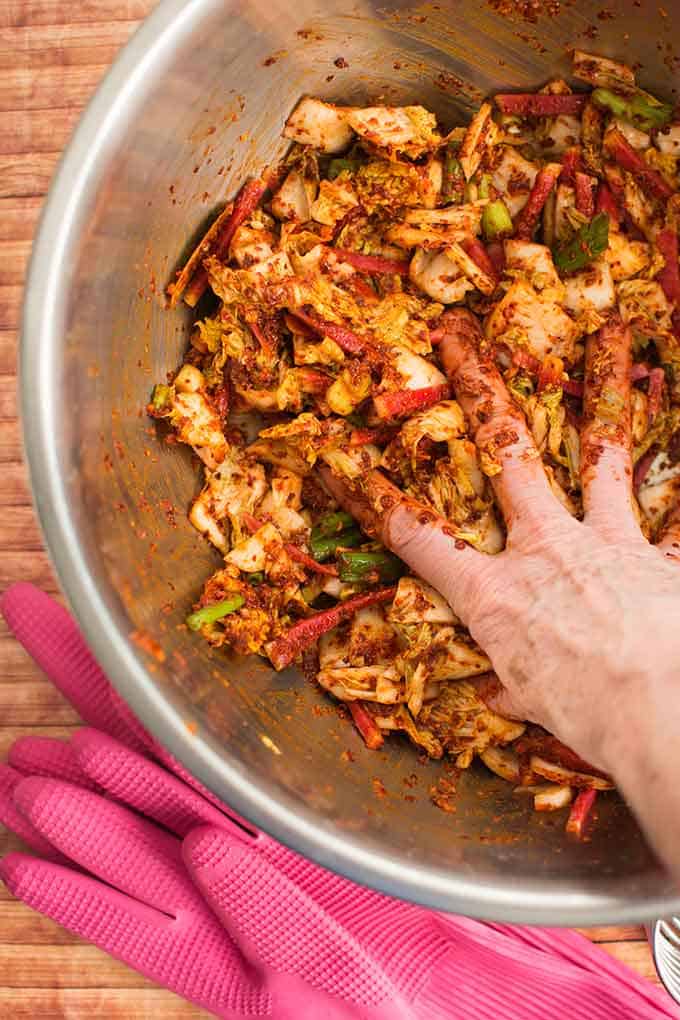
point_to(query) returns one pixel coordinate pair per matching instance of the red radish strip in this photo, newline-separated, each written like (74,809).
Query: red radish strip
(580,811)
(657,380)
(524,359)
(539,104)
(363,290)
(625,155)
(345,338)
(473,247)
(642,468)
(371,263)
(363,721)
(669,276)
(496,253)
(607,203)
(285,649)
(585,199)
(526,221)
(300,556)
(251,523)
(571,165)
(360,437)
(400,403)
(246,202)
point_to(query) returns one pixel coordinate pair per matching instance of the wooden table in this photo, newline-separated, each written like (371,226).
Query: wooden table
(52,55)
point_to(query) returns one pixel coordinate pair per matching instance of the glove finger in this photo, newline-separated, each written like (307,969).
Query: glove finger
(278,924)
(51,637)
(196,960)
(12,818)
(109,841)
(145,786)
(48,757)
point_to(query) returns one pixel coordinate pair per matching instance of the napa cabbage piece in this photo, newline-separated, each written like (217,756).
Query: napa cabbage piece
(410,130)
(232,490)
(321,125)
(463,724)
(523,318)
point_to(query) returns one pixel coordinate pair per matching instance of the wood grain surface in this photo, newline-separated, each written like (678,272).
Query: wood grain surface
(53,53)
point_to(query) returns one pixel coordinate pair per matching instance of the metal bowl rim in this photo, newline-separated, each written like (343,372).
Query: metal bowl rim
(516,901)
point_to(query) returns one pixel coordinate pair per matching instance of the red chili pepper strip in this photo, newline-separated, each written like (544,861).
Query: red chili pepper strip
(363,721)
(657,381)
(300,556)
(526,221)
(496,252)
(473,247)
(640,370)
(669,276)
(246,202)
(285,649)
(571,165)
(372,263)
(606,202)
(642,468)
(251,523)
(580,812)
(574,387)
(625,155)
(539,104)
(401,403)
(345,338)
(585,199)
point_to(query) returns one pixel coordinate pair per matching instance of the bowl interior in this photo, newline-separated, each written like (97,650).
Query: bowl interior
(195,104)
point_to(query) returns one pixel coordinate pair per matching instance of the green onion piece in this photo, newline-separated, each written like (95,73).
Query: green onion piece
(453,178)
(588,242)
(609,406)
(369,567)
(338,166)
(641,109)
(209,614)
(496,220)
(257,577)
(332,523)
(484,185)
(161,397)
(325,548)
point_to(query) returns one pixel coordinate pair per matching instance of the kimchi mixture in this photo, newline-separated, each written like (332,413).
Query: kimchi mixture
(550,215)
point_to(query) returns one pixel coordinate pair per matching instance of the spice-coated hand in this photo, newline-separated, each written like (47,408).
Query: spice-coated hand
(579,619)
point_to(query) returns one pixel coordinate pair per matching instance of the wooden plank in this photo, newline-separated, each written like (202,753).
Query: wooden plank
(35,88)
(20,528)
(13,261)
(27,177)
(96,1004)
(34,567)
(17,664)
(43,46)
(8,396)
(636,955)
(623,933)
(10,434)
(79,966)
(23,927)
(19,217)
(34,703)
(10,300)
(14,490)
(58,12)
(43,131)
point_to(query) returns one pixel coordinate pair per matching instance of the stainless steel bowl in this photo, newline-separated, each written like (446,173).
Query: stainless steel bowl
(194,103)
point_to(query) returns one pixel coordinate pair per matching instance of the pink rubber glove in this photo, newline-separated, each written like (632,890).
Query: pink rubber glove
(303,941)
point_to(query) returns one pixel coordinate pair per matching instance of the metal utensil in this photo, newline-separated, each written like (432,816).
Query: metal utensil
(194,104)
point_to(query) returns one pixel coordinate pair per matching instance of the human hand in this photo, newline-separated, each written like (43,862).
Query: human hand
(575,616)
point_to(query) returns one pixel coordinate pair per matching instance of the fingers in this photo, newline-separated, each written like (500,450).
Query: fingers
(606,468)
(506,447)
(107,840)
(419,536)
(51,637)
(48,757)
(12,818)
(323,951)
(145,786)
